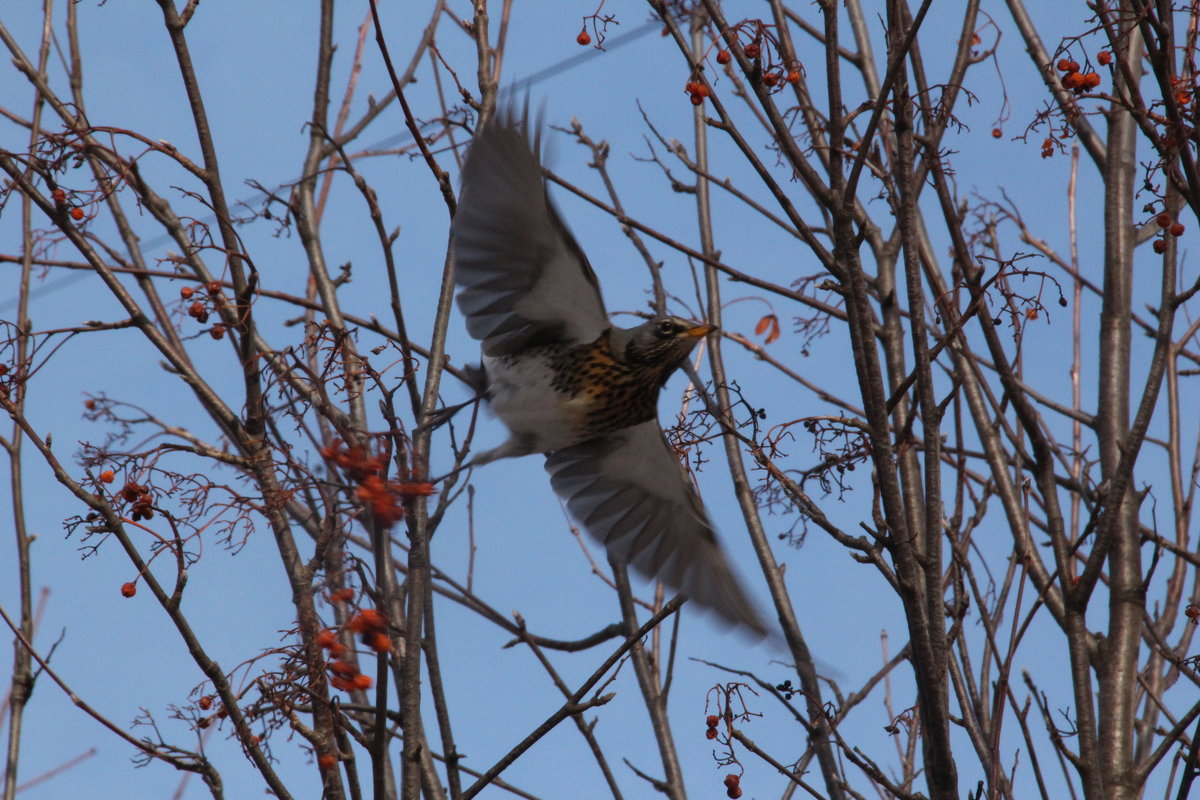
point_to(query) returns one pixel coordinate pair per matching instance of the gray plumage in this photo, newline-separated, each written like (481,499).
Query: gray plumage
(569,384)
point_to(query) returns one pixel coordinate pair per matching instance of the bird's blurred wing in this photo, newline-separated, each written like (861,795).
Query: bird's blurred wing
(522,279)
(629,491)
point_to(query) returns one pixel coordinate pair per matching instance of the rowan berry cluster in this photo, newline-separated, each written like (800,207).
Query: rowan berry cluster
(733,785)
(199,308)
(372,627)
(1169,226)
(711,721)
(385,498)
(1074,80)
(139,496)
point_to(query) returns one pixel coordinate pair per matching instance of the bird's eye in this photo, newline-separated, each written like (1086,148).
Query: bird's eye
(666,328)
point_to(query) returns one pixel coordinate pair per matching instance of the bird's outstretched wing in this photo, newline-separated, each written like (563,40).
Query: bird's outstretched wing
(628,490)
(523,281)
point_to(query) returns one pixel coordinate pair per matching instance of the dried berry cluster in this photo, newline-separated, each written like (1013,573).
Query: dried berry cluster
(199,308)
(385,498)
(372,628)
(132,492)
(733,785)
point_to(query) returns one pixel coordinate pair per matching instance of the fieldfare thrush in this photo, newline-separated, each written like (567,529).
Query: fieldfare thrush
(568,383)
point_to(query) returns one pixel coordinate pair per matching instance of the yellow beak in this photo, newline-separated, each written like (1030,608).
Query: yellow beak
(700,330)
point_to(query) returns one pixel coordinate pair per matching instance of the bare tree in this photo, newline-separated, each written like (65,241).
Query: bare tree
(1017,420)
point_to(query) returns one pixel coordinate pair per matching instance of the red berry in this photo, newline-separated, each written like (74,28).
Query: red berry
(1064,65)
(771,78)
(1091,80)
(128,589)
(732,779)
(710,734)
(213,287)
(583,38)
(691,87)
(217,331)
(76,213)
(712,720)
(734,792)
(361,681)
(1160,245)
(1177,229)
(187,292)
(997,133)
(1104,58)
(205,703)
(326,639)
(722,56)
(793,76)
(107,476)
(59,196)
(1164,220)
(697,100)
(752,50)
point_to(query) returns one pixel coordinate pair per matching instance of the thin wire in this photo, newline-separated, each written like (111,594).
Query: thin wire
(551,71)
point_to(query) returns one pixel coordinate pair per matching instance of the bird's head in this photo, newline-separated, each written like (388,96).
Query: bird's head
(663,341)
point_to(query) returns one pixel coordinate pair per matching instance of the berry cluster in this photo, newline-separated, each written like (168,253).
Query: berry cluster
(1170,226)
(697,91)
(732,785)
(385,498)
(199,309)
(1074,80)
(711,721)
(60,200)
(132,492)
(372,628)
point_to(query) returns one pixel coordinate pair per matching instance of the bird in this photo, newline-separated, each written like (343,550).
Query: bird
(570,384)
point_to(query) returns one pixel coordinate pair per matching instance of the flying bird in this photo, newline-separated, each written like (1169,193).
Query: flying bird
(568,383)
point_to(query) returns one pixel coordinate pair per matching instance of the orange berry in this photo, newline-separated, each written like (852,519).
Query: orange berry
(997,133)
(205,703)
(1063,65)
(361,681)
(793,76)
(1072,80)
(710,734)
(1177,229)
(691,87)
(217,332)
(326,762)
(732,779)
(1160,245)
(213,287)
(1104,58)
(343,669)
(107,476)
(1072,66)
(722,56)
(342,595)
(76,213)
(186,292)
(59,196)
(128,589)
(712,720)
(89,404)
(583,39)
(1091,80)
(752,50)
(771,78)
(326,639)
(379,642)
(1164,220)
(697,100)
